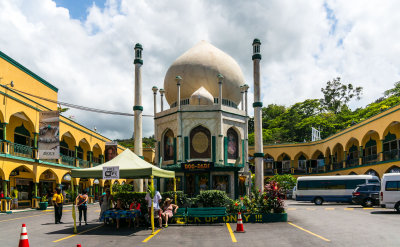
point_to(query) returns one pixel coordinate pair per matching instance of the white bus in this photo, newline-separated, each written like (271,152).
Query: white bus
(319,189)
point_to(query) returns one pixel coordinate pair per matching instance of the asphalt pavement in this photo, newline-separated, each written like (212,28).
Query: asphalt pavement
(309,225)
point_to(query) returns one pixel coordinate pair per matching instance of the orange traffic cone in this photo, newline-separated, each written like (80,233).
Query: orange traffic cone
(239,226)
(23,241)
(79,245)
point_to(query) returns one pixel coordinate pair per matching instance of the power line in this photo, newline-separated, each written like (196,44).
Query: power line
(79,107)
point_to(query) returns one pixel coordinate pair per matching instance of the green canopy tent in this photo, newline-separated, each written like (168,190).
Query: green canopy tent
(130,166)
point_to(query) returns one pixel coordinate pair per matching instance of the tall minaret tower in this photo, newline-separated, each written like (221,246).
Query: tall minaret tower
(138,109)
(258,141)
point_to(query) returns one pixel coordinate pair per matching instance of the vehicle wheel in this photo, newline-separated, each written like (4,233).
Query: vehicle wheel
(368,202)
(318,201)
(397,207)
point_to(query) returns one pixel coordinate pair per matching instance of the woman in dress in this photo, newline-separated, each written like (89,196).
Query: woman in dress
(106,202)
(167,210)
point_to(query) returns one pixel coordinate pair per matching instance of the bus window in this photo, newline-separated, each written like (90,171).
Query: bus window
(373,181)
(392,185)
(302,185)
(352,184)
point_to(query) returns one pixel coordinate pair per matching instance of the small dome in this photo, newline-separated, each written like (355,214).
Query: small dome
(201,97)
(199,67)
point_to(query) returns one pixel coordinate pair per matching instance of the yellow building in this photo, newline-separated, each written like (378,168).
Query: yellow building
(19,115)
(369,147)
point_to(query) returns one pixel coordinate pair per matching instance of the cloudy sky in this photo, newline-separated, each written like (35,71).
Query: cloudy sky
(85,47)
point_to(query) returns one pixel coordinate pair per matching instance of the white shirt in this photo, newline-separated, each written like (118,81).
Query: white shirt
(156,200)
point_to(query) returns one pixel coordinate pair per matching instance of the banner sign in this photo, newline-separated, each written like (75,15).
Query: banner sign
(197,166)
(232,218)
(110,172)
(49,139)
(110,151)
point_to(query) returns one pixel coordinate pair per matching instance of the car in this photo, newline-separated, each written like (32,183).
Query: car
(390,191)
(366,195)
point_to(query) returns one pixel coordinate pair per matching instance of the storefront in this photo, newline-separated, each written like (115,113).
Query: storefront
(25,191)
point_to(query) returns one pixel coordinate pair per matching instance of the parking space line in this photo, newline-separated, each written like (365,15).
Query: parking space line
(73,235)
(151,235)
(291,208)
(22,217)
(329,208)
(349,209)
(231,233)
(309,232)
(367,208)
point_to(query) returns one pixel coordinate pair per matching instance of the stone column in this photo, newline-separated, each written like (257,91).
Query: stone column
(220,140)
(178,80)
(258,141)
(138,108)
(246,135)
(155,89)
(162,91)
(241,96)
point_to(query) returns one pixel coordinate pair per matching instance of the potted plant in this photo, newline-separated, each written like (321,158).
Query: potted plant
(43,203)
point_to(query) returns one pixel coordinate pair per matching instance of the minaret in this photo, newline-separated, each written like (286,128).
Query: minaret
(179,156)
(258,141)
(155,89)
(138,109)
(162,91)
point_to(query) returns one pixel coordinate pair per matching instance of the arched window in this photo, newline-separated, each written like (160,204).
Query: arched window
(168,143)
(370,151)
(22,136)
(390,149)
(233,144)
(200,143)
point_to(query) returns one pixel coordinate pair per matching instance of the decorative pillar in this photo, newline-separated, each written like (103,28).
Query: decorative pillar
(220,140)
(360,157)
(380,154)
(6,143)
(162,91)
(155,89)
(258,155)
(241,96)
(36,198)
(344,159)
(178,80)
(35,153)
(6,200)
(138,108)
(220,79)
(76,156)
(246,136)
(91,197)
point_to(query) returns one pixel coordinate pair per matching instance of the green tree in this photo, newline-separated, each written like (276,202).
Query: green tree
(394,91)
(337,95)
(285,181)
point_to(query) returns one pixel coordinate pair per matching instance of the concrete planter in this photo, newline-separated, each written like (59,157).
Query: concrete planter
(43,205)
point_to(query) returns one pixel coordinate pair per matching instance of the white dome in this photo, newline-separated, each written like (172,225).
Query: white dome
(199,67)
(201,97)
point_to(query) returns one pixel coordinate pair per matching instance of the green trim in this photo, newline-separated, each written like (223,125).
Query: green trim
(257,104)
(186,143)
(142,157)
(243,157)
(174,150)
(256,56)
(138,107)
(225,150)
(20,101)
(261,155)
(213,149)
(138,46)
(220,135)
(256,41)
(136,61)
(27,71)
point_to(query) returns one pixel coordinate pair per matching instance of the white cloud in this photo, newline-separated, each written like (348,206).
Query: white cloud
(91,61)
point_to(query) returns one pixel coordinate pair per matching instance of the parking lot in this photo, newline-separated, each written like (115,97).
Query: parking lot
(309,225)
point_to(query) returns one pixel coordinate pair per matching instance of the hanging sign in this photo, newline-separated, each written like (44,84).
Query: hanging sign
(49,140)
(197,166)
(110,172)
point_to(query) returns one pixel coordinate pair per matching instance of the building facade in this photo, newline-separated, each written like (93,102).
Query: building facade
(369,147)
(20,167)
(202,136)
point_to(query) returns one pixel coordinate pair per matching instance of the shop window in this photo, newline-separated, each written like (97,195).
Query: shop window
(233,144)
(200,143)
(168,145)
(203,182)
(221,182)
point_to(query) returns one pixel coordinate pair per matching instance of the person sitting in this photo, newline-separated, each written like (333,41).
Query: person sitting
(135,206)
(119,206)
(168,210)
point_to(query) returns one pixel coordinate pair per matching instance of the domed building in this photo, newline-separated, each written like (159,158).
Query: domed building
(203,134)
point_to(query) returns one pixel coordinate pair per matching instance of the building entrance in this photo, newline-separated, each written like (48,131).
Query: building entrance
(196,182)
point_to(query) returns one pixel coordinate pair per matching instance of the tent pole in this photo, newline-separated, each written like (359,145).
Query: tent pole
(152,206)
(176,196)
(73,198)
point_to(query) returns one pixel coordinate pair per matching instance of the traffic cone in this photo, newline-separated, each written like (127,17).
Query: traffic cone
(239,226)
(23,241)
(79,245)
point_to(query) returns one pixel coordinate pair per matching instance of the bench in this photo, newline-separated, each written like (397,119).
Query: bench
(206,212)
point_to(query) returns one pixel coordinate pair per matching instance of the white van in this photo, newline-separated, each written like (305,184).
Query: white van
(390,191)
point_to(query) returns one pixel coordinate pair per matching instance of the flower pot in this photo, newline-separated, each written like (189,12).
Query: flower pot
(43,205)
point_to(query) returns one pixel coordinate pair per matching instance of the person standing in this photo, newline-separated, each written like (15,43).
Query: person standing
(81,202)
(106,202)
(156,206)
(58,205)
(15,198)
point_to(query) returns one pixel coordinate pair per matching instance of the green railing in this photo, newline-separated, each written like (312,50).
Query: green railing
(337,165)
(20,150)
(391,155)
(83,163)
(67,160)
(370,158)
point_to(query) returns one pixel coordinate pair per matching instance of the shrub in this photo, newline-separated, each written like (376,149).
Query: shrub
(213,198)
(128,197)
(182,198)
(118,188)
